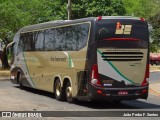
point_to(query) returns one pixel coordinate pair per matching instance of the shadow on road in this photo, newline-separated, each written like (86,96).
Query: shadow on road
(132,104)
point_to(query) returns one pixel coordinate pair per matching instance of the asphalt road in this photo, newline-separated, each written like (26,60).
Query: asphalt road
(154,77)
(14,99)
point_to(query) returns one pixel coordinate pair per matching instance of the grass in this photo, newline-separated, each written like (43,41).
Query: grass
(4,73)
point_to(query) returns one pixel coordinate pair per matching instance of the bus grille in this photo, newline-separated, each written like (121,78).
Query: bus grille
(122,56)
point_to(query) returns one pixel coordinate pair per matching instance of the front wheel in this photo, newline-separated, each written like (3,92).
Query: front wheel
(68,92)
(20,81)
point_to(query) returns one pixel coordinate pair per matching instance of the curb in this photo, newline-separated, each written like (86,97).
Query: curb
(4,78)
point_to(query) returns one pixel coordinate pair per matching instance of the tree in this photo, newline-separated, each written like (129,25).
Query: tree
(93,8)
(150,10)
(155,45)
(7,13)
(18,13)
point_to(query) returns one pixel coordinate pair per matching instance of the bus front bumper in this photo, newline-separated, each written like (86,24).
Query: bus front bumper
(119,93)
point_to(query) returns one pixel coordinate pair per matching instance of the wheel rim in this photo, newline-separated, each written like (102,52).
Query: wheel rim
(69,92)
(58,89)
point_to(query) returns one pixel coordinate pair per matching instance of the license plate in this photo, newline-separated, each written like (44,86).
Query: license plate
(123,93)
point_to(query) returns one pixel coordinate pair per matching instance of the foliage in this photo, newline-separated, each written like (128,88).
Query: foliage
(150,10)
(155,45)
(88,8)
(141,8)
(18,13)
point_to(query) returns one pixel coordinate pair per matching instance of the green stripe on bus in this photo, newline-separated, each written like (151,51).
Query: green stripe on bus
(116,69)
(70,61)
(28,70)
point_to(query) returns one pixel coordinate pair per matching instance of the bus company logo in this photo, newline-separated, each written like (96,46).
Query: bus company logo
(123,29)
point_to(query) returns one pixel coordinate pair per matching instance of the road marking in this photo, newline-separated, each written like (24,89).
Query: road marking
(153,92)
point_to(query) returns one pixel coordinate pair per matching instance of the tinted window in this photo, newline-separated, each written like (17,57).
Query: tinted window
(76,36)
(69,38)
(21,43)
(39,40)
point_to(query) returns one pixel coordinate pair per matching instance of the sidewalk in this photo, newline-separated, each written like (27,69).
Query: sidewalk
(4,77)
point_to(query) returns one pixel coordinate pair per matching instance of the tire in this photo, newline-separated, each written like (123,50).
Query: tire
(68,93)
(20,81)
(58,90)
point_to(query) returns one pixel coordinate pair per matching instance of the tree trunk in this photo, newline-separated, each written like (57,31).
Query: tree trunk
(1,56)
(4,59)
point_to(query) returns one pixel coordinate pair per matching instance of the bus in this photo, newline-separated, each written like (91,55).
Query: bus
(95,58)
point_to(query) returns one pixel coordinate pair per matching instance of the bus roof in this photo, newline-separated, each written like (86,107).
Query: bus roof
(63,22)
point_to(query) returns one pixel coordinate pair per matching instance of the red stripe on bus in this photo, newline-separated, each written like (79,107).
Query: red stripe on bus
(133,39)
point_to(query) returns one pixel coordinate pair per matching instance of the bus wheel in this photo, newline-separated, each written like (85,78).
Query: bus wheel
(68,92)
(59,92)
(20,81)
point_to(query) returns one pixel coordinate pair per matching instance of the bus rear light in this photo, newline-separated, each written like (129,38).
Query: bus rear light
(144,91)
(95,77)
(145,81)
(99,18)
(147,71)
(99,91)
(142,19)
(141,92)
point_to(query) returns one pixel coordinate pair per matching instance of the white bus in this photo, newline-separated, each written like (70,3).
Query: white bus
(97,58)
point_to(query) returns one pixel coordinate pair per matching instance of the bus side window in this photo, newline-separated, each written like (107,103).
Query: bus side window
(82,33)
(76,37)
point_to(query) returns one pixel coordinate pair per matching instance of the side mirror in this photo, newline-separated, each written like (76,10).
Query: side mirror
(10,45)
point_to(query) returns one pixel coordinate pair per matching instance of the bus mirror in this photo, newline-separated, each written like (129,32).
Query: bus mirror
(9,46)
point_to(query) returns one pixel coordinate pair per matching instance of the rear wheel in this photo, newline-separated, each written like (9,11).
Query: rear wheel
(20,81)
(58,90)
(68,92)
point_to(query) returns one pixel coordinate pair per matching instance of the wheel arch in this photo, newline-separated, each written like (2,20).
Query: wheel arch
(54,80)
(65,80)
